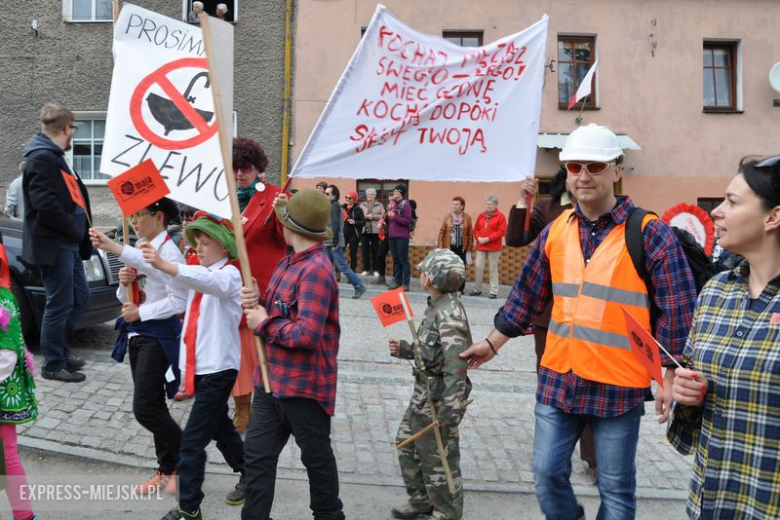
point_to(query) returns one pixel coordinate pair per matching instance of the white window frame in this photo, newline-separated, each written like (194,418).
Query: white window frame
(67,13)
(185,10)
(88,115)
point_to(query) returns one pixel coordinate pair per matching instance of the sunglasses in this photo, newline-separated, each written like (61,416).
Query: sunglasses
(593,168)
(214,218)
(245,169)
(768,163)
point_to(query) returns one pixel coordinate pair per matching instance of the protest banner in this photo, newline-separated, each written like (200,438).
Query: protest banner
(415,106)
(644,347)
(138,187)
(161,108)
(388,307)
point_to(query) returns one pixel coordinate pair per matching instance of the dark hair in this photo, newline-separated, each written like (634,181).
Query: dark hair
(763,180)
(247,151)
(334,190)
(558,186)
(322,184)
(459,199)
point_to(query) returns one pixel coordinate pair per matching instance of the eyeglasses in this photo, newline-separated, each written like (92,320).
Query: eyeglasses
(593,168)
(139,214)
(73,129)
(245,169)
(347,197)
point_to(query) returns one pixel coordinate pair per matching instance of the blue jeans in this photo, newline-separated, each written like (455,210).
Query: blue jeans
(67,296)
(208,420)
(616,440)
(402,270)
(337,257)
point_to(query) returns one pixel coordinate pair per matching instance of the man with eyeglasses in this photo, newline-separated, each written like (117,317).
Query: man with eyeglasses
(588,373)
(55,239)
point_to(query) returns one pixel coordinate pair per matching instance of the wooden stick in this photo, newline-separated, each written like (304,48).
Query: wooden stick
(434,421)
(227,159)
(425,430)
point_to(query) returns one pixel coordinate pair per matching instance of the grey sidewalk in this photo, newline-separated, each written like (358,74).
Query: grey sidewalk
(94,419)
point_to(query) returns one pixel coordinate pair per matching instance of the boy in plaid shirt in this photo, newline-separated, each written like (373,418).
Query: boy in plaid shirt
(299,322)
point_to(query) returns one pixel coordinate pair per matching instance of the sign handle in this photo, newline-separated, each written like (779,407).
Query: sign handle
(227,159)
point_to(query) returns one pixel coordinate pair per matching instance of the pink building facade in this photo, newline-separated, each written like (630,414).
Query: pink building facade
(686,80)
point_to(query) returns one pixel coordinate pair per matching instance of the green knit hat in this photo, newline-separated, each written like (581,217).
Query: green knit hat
(218,228)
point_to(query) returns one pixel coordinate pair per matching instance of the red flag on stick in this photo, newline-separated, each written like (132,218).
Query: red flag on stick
(73,188)
(644,347)
(138,187)
(388,307)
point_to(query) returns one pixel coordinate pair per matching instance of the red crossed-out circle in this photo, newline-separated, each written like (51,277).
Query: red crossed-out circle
(160,77)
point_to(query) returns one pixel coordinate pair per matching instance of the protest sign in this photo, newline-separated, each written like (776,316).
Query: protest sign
(138,187)
(644,347)
(73,188)
(415,106)
(161,108)
(388,307)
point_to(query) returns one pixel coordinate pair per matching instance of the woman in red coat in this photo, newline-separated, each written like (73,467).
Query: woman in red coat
(265,245)
(489,231)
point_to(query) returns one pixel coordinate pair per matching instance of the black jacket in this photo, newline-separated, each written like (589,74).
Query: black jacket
(51,218)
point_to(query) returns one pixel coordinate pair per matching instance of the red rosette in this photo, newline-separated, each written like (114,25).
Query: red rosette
(694,220)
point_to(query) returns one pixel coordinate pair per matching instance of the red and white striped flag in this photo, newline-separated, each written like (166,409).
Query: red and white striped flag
(584,88)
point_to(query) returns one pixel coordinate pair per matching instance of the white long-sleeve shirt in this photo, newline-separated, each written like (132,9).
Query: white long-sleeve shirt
(217,347)
(163,298)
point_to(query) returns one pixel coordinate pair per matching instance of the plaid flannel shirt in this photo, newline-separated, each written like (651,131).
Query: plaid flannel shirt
(673,289)
(302,330)
(735,436)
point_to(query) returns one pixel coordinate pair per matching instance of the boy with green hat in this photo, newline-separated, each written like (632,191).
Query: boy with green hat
(440,381)
(209,355)
(299,321)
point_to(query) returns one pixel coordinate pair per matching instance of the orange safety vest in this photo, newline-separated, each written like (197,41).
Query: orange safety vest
(587,332)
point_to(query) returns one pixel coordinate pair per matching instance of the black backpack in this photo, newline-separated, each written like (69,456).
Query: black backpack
(701,265)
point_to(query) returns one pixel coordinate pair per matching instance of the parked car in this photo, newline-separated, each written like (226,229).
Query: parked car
(102,272)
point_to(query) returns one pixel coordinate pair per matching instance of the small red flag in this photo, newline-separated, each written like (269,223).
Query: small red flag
(644,347)
(139,187)
(73,187)
(389,308)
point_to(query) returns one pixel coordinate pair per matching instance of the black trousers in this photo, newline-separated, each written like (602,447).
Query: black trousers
(352,239)
(272,422)
(462,255)
(148,365)
(370,245)
(380,260)
(208,421)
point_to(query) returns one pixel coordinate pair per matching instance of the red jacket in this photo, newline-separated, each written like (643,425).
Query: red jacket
(264,242)
(494,230)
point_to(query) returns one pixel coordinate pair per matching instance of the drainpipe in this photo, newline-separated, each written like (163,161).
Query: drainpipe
(286,110)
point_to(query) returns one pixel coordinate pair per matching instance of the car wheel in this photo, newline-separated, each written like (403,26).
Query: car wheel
(29,327)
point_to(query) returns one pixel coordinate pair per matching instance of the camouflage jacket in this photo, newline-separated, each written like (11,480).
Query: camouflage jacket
(441,374)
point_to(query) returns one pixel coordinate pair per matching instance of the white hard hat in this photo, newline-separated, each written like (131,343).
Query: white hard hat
(591,143)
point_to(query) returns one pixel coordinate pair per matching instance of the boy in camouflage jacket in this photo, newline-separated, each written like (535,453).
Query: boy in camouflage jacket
(440,379)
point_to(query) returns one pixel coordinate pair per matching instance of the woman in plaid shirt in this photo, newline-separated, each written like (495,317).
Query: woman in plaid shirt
(728,400)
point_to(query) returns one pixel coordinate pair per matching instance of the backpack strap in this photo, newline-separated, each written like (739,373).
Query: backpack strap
(635,244)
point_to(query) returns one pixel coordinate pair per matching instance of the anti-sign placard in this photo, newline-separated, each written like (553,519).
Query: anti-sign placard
(161,108)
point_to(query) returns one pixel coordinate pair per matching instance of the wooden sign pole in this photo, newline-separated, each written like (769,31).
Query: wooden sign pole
(227,159)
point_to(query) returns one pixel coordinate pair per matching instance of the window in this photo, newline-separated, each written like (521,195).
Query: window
(709,203)
(720,76)
(87,10)
(464,38)
(210,7)
(383,188)
(576,54)
(88,147)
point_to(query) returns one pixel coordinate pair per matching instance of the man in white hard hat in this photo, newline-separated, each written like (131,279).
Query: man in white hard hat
(588,374)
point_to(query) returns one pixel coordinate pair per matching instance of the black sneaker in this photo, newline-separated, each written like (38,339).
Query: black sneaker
(64,375)
(180,514)
(75,363)
(238,495)
(408,511)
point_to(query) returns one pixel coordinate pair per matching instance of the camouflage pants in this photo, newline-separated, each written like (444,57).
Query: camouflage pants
(422,470)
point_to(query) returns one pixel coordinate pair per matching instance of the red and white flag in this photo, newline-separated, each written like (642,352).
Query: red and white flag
(584,88)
